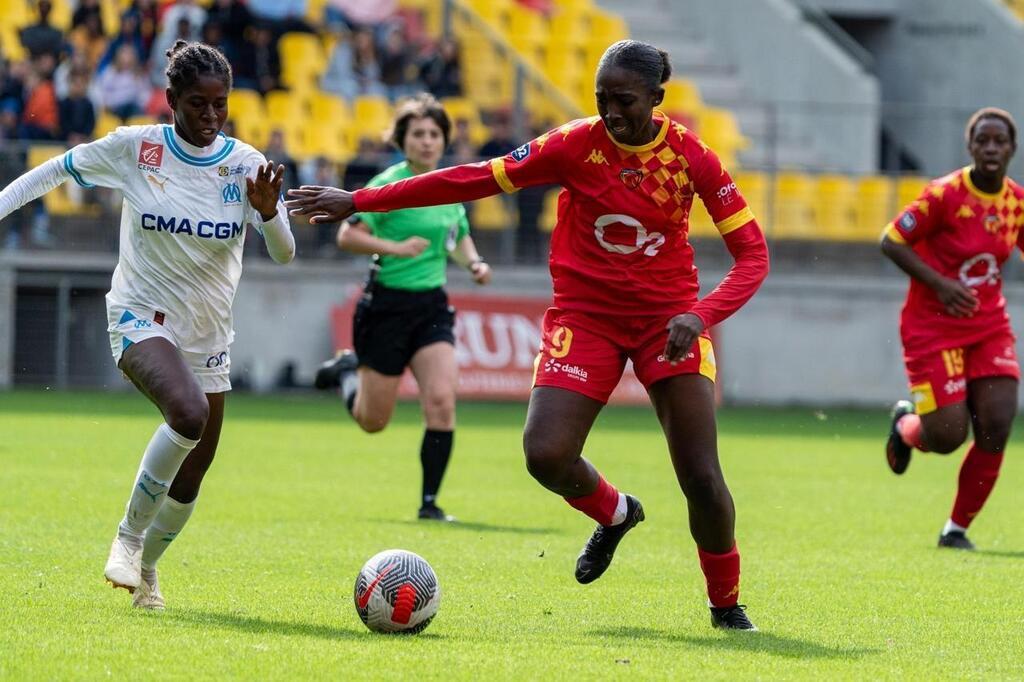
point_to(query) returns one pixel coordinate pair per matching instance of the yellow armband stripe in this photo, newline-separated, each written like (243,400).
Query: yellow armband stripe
(735,221)
(893,234)
(498,170)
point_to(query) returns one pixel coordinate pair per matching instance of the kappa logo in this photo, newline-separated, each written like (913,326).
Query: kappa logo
(151,154)
(597,157)
(231,194)
(631,177)
(521,153)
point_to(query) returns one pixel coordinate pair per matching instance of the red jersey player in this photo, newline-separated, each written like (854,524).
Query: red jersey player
(957,341)
(625,287)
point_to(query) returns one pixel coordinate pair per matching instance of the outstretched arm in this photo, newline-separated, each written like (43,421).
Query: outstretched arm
(32,185)
(264,192)
(444,186)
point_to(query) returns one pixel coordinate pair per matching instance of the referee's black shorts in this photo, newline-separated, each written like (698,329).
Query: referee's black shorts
(388,329)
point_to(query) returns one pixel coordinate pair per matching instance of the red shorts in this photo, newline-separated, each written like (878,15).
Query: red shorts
(587,353)
(939,378)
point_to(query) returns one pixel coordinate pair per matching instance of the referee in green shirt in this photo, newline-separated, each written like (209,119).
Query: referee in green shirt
(403,319)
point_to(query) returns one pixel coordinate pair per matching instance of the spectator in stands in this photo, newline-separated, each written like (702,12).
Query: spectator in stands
(12,96)
(282,15)
(183,29)
(359,13)
(234,18)
(397,70)
(41,37)
(85,10)
(147,19)
(40,119)
(277,151)
(187,9)
(367,163)
(77,115)
(129,34)
(213,35)
(352,68)
(441,71)
(89,40)
(317,172)
(122,88)
(259,64)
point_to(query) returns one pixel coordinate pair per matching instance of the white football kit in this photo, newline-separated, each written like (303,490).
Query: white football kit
(183,227)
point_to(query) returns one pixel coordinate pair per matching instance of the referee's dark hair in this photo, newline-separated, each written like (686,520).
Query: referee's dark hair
(186,62)
(991,112)
(423,105)
(649,62)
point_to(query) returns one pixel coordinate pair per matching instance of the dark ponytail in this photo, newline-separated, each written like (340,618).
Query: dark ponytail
(643,59)
(186,62)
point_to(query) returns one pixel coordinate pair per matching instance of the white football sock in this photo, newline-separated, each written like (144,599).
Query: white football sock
(620,511)
(349,386)
(950,526)
(169,521)
(166,451)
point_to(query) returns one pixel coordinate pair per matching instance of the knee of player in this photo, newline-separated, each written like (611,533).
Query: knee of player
(188,416)
(544,460)
(371,424)
(703,485)
(439,406)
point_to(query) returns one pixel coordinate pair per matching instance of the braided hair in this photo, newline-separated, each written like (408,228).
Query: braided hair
(643,59)
(186,62)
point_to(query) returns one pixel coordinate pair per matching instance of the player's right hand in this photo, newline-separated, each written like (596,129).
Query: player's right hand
(411,247)
(959,299)
(321,204)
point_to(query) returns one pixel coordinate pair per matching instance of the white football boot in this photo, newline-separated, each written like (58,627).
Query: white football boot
(124,565)
(148,595)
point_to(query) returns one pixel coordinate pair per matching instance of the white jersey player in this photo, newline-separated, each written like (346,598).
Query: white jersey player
(190,193)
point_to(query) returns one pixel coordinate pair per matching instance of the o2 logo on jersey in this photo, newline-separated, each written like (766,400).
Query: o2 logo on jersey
(650,242)
(231,194)
(978,270)
(218,360)
(521,153)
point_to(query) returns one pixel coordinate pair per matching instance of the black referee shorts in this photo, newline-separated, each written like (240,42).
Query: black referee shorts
(390,326)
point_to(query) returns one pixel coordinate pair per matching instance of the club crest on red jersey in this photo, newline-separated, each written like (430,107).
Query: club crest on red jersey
(631,177)
(151,154)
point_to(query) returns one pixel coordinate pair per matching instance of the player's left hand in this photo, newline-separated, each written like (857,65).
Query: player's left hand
(321,204)
(264,191)
(481,272)
(683,330)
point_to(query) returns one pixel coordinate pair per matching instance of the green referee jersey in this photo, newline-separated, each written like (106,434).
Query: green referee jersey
(443,226)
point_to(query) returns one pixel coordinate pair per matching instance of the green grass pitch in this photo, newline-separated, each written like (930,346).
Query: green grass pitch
(840,568)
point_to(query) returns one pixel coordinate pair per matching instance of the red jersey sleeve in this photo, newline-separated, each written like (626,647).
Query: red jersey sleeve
(919,218)
(742,236)
(534,163)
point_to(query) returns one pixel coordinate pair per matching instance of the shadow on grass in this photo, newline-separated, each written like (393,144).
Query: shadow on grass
(1005,554)
(255,624)
(753,642)
(471,525)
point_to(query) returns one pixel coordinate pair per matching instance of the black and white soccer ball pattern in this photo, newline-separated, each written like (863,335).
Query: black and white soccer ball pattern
(397,591)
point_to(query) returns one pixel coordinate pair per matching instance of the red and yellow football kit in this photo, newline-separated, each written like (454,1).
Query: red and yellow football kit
(966,234)
(621,264)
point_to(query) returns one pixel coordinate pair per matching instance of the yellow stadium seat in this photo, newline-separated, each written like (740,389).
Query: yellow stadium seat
(908,189)
(528,32)
(16,13)
(11,45)
(875,206)
(607,28)
(834,203)
(549,213)
(494,12)
(325,107)
(372,114)
(574,5)
(60,15)
(463,108)
(283,105)
(754,187)
(493,213)
(106,123)
(571,27)
(58,202)
(140,120)
(719,130)
(682,95)
(794,207)
(302,59)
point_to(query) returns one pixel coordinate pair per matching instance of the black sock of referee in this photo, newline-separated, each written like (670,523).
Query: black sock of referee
(434,455)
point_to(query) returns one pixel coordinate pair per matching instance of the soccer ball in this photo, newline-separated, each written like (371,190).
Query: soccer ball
(397,591)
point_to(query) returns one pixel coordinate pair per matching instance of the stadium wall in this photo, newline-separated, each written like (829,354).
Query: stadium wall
(803,340)
(817,92)
(937,62)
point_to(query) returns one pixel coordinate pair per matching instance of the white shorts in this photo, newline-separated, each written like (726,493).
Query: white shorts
(127,326)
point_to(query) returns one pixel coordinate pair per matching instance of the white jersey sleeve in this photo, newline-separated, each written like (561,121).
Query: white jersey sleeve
(105,162)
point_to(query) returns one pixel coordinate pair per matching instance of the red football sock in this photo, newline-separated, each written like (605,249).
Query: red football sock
(978,475)
(722,574)
(909,427)
(600,504)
